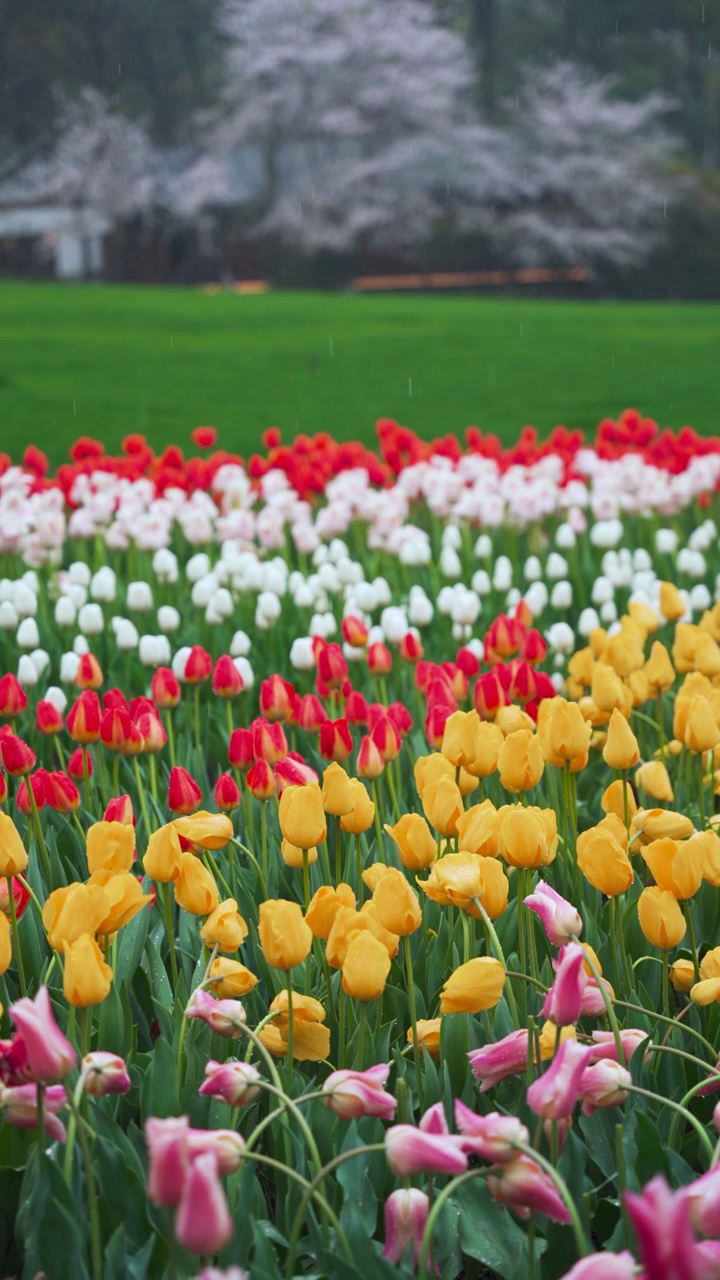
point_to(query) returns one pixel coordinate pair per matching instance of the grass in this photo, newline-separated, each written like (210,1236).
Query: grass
(107,360)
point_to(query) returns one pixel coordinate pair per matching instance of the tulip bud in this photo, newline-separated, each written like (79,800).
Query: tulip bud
(83,718)
(354,632)
(494,1062)
(621,749)
(332,668)
(77,764)
(276,698)
(50,1056)
(605,1084)
(269,741)
(104,1073)
(379,659)
(356,708)
(284,936)
(563,1001)
(37,786)
(474,986)
(48,719)
(311,714)
(261,781)
(554,1094)
(661,918)
(493,1137)
(227,793)
(89,673)
(241,754)
(203,1224)
(61,794)
(369,763)
(13,699)
(559,918)
(184,794)
(226,681)
(335,740)
(351,1094)
(198,665)
(17,757)
(233,1081)
(165,689)
(406,1215)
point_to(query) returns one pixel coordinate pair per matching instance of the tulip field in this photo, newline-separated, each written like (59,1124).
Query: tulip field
(359,858)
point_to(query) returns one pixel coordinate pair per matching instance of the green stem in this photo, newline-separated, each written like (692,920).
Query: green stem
(263,839)
(680,1110)
(500,955)
(302,1207)
(288,980)
(170,933)
(612,1018)
(310,1191)
(39,831)
(95,1239)
(361,1035)
(581,1243)
(665,983)
(693,943)
(143,802)
(413,1016)
(256,864)
(196,701)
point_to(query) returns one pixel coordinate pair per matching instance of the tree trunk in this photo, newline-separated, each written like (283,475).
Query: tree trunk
(483,16)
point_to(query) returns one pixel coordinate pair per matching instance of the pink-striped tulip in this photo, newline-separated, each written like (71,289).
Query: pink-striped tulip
(702,1198)
(664,1233)
(50,1054)
(606,1046)
(203,1224)
(556,1091)
(494,1062)
(559,918)
(351,1094)
(493,1137)
(233,1081)
(225,1144)
(603,1266)
(406,1215)
(167,1144)
(604,1085)
(523,1186)
(593,1004)
(563,1001)
(226,1017)
(410,1151)
(104,1073)
(18,1105)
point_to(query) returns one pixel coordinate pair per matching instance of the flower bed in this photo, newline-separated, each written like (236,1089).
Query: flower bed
(359,860)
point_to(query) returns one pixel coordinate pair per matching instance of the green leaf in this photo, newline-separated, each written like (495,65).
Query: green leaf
(131,944)
(454,1046)
(489,1234)
(159,981)
(60,1245)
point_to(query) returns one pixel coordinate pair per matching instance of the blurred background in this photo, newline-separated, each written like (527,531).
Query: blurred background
(497,211)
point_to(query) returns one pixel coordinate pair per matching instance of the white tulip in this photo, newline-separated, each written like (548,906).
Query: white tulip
(28,636)
(246,671)
(560,637)
(602,591)
(56,696)
(139,597)
(197,567)
(69,664)
(420,611)
(483,547)
(641,560)
(27,674)
(502,574)
(302,657)
(666,541)
(8,616)
(480,582)
(477,647)
(270,605)
(77,595)
(65,612)
(204,590)
(179,661)
(168,617)
(126,636)
(700,598)
(561,595)
(383,594)
(103,585)
(588,621)
(80,645)
(393,621)
(90,620)
(445,599)
(240,645)
(565,537)
(558,680)
(452,537)
(465,608)
(532,569)
(165,565)
(608,611)
(556,567)
(79,572)
(25,600)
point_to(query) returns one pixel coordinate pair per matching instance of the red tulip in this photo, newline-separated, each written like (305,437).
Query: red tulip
(331,666)
(115,698)
(335,740)
(435,722)
(354,632)
(89,673)
(227,793)
(387,739)
(356,708)
(400,717)
(165,689)
(76,767)
(120,809)
(83,718)
(48,719)
(269,741)
(198,666)
(22,898)
(227,681)
(292,771)
(261,781)
(37,781)
(411,649)
(17,757)
(13,699)
(379,659)
(203,437)
(152,731)
(241,753)
(61,794)
(312,714)
(184,794)
(276,698)
(115,729)
(467,662)
(489,695)
(533,647)
(369,763)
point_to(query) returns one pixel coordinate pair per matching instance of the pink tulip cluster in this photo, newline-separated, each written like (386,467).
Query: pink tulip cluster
(184,1174)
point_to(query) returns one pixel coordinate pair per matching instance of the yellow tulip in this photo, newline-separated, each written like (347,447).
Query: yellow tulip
(655,824)
(707,843)
(479,830)
(224,927)
(415,842)
(230,980)
(195,889)
(672,605)
(607,690)
(163,855)
(602,856)
(621,750)
(528,836)
(365,968)
(474,986)
(563,732)
(302,817)
(125,899)
(460,738)
(613,800)
(455,880)
(442,803)
(660,917)
(324,906)
(110,846)
(496,888)
(707,991)
(13,856)
(284,936)
(654,779)
(510,719)
(428,1034)
(210,831)
(87,978)
(489,742)
(362,815)
(293,857)
(521,761)
(429,768)
(304,1009)
(675,865)
(337,794)
(396,904)
(549,1039)
(72,911)
(659,669)
(5,944)
(682,974)
(701,731)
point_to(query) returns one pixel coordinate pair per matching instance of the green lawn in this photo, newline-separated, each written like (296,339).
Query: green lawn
(108,360)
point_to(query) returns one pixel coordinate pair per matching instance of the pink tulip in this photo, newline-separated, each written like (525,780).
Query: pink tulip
(50,1055)
(593,1005)
(561,1128)
(716,1117)
(104,1073)
(493,1137)
(605,1045)
(702,1198)
(233,1081)
(225,1144)
(226,1017)
(203,1224)
(434,1120)
(351,1094)
(406,1214)
(559,918)
(14,1067)
(523,1186)
(563,1001)
(713,1083)
(604,1085)
(661,1222)
(18,1104)
(167,1144)
(603,1266)
(410,1150)
(494,1062)
(556,1091)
